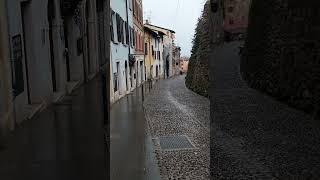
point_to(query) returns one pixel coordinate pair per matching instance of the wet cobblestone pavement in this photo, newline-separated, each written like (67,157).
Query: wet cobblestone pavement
(254,136)
(63,142)
(132,155)
(171,110)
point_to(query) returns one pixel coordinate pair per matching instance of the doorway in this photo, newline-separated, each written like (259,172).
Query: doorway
(157,71)
(101,33)
(88,38)
(126,71)
(118,80)
(67,53)
(51,16)
(141,70)
(24,14)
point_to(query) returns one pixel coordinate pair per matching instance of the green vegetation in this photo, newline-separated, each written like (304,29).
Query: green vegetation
(197,78)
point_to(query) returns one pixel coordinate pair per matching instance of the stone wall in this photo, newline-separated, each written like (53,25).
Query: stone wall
(197,78)
(282,51)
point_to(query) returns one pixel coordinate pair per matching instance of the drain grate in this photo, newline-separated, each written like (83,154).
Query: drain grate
(171,143)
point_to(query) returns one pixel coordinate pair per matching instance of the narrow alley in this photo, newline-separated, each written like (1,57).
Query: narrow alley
(142,119)
(179,125)
(130,140)
(254,136)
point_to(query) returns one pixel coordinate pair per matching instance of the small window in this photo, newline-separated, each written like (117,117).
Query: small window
(152,50)
(214,7)
(115,77)
(231,21)
(111,26)
(17,66)
(146,48)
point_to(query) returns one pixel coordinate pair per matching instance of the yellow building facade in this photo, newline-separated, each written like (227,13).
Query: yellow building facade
(148,59)
(150,37)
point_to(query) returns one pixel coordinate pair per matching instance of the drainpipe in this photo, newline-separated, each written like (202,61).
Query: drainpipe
(129,45)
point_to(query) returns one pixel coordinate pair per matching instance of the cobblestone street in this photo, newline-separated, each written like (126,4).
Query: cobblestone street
(172,110)
(254,136)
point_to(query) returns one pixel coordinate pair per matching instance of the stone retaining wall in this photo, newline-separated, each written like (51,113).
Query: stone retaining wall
(197,78)
(282,51)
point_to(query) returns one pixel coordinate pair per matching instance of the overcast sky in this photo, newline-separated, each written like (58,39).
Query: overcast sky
(178,15)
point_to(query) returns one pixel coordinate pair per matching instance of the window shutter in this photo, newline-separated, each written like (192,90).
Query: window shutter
(127,34)
(118,27)
(122,31)
(145,48)
(111,26)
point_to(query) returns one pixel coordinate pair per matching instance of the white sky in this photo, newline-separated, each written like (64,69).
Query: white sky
(178,15)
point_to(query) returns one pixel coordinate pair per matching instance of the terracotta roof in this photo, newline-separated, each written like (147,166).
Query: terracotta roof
(161,28)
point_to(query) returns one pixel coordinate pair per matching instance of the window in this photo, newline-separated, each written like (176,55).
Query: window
(152,50)
(141,43)
(122,31)
(127,33)
(119,28)
(116,77)
(111,26)
(214,7)
(130,4)
(17,66)
(230,21)
(146,48)
(133,38)
(115,81)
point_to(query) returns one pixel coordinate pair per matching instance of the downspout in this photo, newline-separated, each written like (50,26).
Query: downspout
(129,45)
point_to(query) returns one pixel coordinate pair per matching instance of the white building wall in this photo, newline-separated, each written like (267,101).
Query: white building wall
(120,52)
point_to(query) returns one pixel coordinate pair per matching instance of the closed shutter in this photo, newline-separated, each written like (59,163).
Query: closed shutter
(122,30)
(111,26)
(118,20)
(127,34)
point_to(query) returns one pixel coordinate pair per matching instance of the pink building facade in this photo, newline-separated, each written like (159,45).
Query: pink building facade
(236,14)
(184,62)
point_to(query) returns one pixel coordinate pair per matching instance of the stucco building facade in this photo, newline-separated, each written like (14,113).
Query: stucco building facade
(53,48)
(138,33)
(236,13)
(167,46)
(123,73)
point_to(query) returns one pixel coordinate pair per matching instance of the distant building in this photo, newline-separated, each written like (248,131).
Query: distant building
(183,66)
(138,41)
(154,53)
(176,59)
(236,14)
(168,45)
(123,68)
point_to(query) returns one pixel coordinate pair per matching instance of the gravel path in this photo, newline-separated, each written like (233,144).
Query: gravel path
(254,136)
(171,109)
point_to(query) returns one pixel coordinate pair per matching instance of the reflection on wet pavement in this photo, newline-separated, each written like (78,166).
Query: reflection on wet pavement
(64,142)
(131,146)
